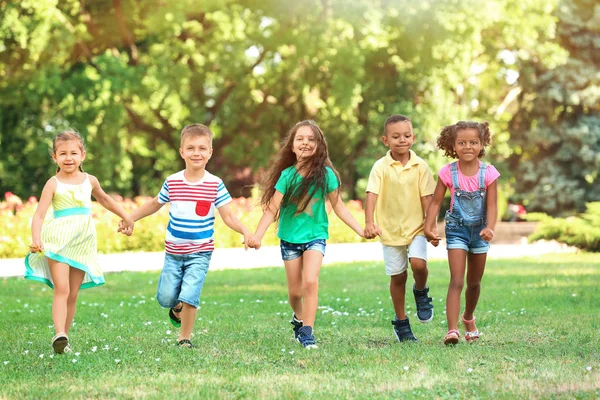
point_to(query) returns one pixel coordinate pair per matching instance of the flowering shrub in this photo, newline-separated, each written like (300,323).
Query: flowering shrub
(149,232)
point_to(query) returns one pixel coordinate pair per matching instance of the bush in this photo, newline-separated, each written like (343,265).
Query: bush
(582,232)
(149,233)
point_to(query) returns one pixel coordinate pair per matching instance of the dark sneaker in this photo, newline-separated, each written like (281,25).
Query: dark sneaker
(424,305)
(306,338)
(297,324)
(403,331)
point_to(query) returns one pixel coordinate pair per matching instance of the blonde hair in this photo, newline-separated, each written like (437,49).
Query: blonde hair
(194,130)
(65,136)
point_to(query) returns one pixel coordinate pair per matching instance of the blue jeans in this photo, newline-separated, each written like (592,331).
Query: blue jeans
(465,237)
(291,251)
(182,278)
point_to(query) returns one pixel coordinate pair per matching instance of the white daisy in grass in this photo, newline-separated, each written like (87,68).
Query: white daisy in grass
(51,356)
(94,349)
(106,347)
(117,360)
(41,356)
(6,362)
(589,368)
(157,359)
(77,354)
(74,360)
(406,368)
(283,350)
(470,370)
(26,352)
(574,295)
(241,300)
(292,352)
(116,348)
(168,332)
(140,351)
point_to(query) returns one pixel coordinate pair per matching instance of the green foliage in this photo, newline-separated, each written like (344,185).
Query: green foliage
(149,232)
(582,232)
(556,132)
(129,75)
(124,346)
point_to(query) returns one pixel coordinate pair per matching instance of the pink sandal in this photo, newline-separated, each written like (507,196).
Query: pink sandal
(470,336)
(451,337)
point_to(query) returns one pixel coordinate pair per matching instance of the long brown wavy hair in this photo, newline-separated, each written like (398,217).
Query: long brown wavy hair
(448,136)
(314,167)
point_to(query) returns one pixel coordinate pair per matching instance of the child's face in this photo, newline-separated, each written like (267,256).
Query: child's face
(196,151)
(68,155)
(467,144)
(399,137)
(304,144)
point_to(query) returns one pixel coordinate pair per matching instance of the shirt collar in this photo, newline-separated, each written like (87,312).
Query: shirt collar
(390,161)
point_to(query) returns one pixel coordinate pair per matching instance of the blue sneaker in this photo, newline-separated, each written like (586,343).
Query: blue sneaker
(297,324)
(403,331)
(424,305)
(306,338)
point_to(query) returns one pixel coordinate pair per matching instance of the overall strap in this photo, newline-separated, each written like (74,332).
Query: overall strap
(482,168)
(454,171)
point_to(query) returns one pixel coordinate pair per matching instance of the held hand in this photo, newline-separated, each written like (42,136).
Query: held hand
(254,242)
(432,237)
(371,231)
(126,227)
(487,234)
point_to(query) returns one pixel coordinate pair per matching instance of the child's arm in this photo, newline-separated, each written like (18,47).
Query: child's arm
(109,203)
(40,214)
(342,212)
(371,230)
(433,210)
(487,233)
(425,202)
(148,208)
(268,217)
(234,223)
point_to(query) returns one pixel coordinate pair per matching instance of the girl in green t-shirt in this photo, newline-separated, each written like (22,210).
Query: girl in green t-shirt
(299,183)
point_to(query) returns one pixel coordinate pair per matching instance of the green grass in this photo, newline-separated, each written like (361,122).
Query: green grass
(539,319)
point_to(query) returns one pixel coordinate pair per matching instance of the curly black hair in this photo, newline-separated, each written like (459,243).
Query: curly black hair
(448,136)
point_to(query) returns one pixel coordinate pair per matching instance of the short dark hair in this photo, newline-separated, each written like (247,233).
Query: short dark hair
(392,119)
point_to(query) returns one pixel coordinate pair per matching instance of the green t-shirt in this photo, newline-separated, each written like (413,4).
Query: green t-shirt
(312,223)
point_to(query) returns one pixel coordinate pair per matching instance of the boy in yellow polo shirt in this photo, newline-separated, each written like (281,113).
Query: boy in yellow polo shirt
(399,190)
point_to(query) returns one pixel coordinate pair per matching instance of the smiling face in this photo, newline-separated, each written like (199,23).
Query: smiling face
(69,155)
(399,137)
(196,150)
(304,144)
(467,144)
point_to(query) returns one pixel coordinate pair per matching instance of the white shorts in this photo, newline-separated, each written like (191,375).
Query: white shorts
(396,257)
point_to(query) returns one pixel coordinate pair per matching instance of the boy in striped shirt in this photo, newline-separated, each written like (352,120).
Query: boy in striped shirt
(194,194)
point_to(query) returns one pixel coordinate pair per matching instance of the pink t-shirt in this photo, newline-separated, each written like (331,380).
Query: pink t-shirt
(467,183)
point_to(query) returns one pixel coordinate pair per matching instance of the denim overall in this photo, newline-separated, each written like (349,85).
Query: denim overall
(468,217)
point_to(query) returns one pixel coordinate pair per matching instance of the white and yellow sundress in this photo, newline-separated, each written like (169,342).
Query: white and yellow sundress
(69,237)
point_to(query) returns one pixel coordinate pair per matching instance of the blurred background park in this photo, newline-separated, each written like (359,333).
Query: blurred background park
(128,75)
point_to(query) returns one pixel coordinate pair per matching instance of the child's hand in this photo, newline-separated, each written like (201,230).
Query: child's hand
(252,241)
(126,227)
(36,247)
(487,234)
(371,231)
(433,237)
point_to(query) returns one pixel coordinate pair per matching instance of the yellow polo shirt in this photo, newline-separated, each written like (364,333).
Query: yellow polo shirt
(398,211)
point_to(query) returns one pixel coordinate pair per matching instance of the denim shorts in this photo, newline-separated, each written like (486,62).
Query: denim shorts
(291,251)
(182,278)
(465,237)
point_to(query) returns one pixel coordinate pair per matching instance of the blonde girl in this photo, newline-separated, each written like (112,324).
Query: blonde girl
(63,250)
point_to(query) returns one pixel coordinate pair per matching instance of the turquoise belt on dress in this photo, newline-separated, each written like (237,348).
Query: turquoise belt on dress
(72,211)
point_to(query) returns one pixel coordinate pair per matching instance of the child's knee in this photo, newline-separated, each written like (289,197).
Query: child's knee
(418,265)
(311,285)
(399,279)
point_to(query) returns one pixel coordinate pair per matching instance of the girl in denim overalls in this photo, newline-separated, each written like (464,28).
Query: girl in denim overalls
(470,221)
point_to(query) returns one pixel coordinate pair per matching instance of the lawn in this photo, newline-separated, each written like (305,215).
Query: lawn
(538,316)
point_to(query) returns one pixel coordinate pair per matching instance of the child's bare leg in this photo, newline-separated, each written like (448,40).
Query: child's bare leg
(474,275)
(75,278)
(293,273)
(60,277)
(420,272)
(188,317)
(456,259)
(398,292)
(310,285)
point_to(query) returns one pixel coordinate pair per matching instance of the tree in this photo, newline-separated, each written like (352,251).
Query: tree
(556,132)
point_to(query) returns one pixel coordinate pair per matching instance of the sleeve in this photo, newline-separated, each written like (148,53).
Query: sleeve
(332,180)
(426,184)
(374,183)
(445,175)
(223,196)
(282,182)
(163,195)
(491,174)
